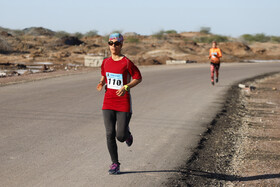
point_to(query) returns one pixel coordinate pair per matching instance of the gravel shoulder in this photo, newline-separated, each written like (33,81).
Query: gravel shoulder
(241,146)
(40,76)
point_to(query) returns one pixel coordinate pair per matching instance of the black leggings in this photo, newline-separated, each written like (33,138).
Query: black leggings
(111,118)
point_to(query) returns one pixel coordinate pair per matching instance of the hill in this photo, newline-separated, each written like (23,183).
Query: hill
(37,44)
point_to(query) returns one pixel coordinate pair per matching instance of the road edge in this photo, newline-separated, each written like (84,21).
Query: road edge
(210,163)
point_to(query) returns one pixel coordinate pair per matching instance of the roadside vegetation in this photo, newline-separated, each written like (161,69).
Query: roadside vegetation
(162,34)
(91,33)
(205,37)
(205,30)
(209,36)
(4,46)
(260,38)
(209,39)
(132,39)
(61,34)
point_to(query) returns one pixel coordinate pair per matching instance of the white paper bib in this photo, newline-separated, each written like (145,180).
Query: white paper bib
(114,80)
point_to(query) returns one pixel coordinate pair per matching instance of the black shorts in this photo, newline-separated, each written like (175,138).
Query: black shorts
(216,66)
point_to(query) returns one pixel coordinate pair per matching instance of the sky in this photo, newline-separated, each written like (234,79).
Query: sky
(224,17)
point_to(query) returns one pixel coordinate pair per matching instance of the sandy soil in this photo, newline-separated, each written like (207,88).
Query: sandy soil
(39,76)
(241,146)
(258,156)
(39,46)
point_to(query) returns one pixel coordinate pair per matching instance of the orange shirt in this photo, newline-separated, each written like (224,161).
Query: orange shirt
(215,54)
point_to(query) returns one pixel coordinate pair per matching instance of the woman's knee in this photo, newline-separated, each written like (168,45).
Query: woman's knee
(121,137)
(110,135)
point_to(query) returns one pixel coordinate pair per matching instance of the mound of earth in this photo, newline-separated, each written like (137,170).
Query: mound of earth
(37,44)
(235,48)
(38,31)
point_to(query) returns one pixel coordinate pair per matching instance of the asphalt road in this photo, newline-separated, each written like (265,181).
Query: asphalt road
(52,132)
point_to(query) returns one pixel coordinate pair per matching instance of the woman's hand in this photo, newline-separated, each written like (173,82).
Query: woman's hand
(99,86)
(121,91)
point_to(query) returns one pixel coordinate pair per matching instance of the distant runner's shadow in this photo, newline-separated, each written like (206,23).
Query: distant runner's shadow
(154,171)
(231,177)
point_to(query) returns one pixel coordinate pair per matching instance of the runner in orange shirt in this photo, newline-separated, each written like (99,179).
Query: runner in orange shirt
(214,55)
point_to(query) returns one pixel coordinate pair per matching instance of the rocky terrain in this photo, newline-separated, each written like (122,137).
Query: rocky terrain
(38,44)
(241,146)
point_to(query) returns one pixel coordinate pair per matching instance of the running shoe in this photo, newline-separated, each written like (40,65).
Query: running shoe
(129,140)
(212,82)
(217,80)
(114,169)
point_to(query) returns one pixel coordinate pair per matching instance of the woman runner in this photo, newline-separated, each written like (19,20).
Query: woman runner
(214,55)
(116,73)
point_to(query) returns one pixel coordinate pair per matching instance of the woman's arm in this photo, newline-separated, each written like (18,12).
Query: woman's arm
(133,83)
(220,53)
(101,83)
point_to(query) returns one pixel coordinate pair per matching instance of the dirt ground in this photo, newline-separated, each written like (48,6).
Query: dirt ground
(42,45)
(39,76)
(242,144)
(258,156)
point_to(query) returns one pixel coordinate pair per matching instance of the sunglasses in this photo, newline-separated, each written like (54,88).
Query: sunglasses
(117,43)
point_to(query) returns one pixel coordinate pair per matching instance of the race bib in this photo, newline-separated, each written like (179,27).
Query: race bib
(213,55)
(114,81)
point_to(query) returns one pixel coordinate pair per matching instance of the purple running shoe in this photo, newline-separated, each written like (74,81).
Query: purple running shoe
(129,140)
(114,169)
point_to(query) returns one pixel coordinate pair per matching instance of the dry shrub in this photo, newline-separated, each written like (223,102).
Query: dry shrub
(4,46)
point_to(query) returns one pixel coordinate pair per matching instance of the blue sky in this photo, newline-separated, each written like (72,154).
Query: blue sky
(225,17)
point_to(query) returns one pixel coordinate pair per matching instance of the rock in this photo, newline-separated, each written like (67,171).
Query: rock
(69,40)
(241,85)
(5,34)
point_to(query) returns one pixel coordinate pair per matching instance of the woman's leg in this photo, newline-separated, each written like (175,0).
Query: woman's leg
(217,72)
(123,119)
(110,126)
(212,68)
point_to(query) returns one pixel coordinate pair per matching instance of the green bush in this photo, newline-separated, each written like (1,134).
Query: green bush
(205,30)
(259,38)
(60,34)
(162,34)
(262,38)
(132,39)
(4,46)
(247,37)
(91,33)
(170,32)
(209,39)
(159,34)
(78,35)
(275,39)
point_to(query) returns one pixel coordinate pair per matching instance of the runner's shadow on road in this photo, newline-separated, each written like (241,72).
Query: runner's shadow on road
(231,177)
(155,171)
